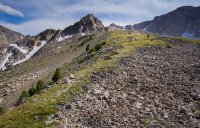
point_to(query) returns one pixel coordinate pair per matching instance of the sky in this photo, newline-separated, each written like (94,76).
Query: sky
(30,17)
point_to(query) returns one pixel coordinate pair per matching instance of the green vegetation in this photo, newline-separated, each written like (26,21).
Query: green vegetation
(1,110)
(32,91)
(85,39)
(36,110)
(97,47)
(57,75)
(24,95)
(40,85)
(148,36)
(87,47)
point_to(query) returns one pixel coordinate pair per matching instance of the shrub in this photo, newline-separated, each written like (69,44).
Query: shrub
(88,47)
(40,85)
(57,75)
(97,47)
(1,110)
(148,36)
(32,91)
(22,98)
(24,95)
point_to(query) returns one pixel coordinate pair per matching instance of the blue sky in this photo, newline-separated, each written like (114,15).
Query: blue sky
(34,16)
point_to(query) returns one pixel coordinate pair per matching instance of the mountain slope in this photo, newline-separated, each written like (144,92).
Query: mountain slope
(184,21)
(8,36)
(123,83)
(13,55)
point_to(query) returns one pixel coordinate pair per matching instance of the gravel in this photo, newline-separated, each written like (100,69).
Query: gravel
(153,87)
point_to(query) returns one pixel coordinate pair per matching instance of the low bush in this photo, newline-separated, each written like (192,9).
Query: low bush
(40,85)
(24,94)
(22,98)
(97,47)
(1,110)
(32,91)
(57,75)
(87,47)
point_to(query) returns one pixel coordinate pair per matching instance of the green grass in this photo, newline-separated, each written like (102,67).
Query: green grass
(37,109)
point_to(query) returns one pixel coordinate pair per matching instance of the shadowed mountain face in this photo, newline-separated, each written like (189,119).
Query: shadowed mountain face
(45,35)
(184,21)
(88,24)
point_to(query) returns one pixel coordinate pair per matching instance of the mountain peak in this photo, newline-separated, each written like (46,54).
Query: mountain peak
(89,16)
(114,26)
(88,24)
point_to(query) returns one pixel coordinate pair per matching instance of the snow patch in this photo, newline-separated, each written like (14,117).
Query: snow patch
(187,34)
(28,56)
(145,29)
(65,37)
(83,34)
(3,65)
(22,37)
(21,49)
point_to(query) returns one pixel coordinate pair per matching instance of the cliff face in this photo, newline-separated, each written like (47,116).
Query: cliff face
(184,21)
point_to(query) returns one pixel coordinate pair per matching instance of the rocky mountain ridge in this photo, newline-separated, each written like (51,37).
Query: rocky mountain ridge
(114,26)
(184,21)
(12,55)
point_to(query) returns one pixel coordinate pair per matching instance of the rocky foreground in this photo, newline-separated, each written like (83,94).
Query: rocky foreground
(153,87)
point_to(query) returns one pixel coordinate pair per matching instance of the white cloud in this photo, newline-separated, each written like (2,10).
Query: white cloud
(10,11)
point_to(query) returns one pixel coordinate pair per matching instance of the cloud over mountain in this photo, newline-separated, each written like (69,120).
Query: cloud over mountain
(11,11)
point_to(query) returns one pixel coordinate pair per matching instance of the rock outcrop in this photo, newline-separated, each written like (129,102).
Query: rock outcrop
(45,35)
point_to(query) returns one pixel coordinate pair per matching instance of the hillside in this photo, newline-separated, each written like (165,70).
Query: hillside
(89,75)
(147,79)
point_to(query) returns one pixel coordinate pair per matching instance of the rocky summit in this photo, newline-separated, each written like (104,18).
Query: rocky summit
(114,27)
(88,24)
(88,75)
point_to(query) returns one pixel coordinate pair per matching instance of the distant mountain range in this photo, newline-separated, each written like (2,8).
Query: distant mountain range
(16,48)
(184,21)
